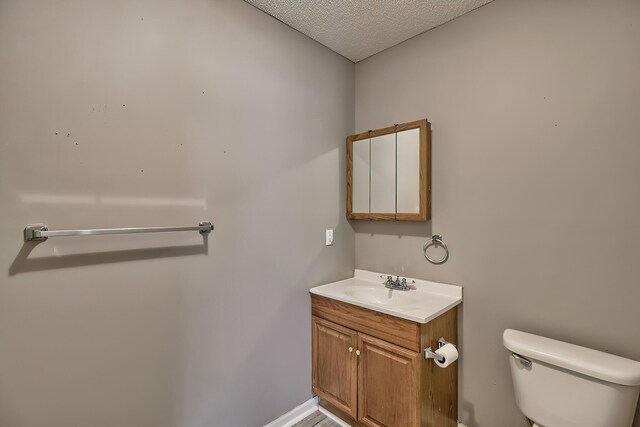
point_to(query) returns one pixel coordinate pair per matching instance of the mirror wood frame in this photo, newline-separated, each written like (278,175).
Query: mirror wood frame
(424,174)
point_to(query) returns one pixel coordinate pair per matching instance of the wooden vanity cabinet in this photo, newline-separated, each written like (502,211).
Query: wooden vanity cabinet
(369,369)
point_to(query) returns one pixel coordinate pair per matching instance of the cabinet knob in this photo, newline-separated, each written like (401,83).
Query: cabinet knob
(350,349)
(357,352)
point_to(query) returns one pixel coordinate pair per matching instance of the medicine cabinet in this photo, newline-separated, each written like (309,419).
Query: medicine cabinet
(389,173)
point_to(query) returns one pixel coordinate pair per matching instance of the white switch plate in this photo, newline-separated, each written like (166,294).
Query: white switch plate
(328,237)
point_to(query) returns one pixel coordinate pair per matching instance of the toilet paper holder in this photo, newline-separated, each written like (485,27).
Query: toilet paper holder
(429,354)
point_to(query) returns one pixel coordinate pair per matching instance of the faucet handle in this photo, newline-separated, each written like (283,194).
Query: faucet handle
(406,284)
(388,280)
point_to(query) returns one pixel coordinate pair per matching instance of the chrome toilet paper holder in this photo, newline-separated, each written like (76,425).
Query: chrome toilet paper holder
(429,354)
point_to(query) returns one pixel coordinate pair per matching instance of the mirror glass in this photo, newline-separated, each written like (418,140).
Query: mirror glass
(383,174)
(360,179)
(408,171)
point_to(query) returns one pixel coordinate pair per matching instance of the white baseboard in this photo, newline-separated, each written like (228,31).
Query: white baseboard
(297,414)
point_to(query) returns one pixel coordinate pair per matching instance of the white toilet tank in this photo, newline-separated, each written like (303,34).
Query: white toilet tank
(571,386)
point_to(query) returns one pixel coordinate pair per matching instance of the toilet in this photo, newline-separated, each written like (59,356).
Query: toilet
(558,384)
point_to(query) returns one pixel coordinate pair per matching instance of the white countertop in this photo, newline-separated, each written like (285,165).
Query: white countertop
(423,303)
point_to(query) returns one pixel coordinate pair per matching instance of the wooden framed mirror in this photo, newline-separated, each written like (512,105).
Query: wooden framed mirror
(389,173)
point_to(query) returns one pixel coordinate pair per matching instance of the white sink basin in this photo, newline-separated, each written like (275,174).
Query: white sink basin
(376,294)
(424,302)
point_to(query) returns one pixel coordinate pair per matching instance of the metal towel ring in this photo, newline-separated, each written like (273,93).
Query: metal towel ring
(436,240)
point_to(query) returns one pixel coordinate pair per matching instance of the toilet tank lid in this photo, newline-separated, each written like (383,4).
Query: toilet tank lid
(593,363)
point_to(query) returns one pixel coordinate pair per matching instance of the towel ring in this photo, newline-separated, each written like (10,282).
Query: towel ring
(436,240)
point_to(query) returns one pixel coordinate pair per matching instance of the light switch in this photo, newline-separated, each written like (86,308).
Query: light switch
(329,237)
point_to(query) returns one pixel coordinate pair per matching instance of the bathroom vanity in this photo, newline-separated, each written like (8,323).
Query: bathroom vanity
(368,342)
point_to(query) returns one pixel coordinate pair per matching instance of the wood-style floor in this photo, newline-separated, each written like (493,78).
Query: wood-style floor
(317,419)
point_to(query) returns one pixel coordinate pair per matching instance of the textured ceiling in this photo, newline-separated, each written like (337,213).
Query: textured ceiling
(357,29)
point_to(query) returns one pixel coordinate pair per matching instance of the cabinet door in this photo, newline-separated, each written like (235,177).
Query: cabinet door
(334,364)
(388,384)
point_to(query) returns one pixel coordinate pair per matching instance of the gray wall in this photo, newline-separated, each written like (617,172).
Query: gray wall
(176,111)
(535,108)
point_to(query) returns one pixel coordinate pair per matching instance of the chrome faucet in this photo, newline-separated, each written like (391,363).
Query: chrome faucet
(397,284)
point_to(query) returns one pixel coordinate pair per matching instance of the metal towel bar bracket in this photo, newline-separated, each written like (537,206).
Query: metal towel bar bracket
(40,232)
